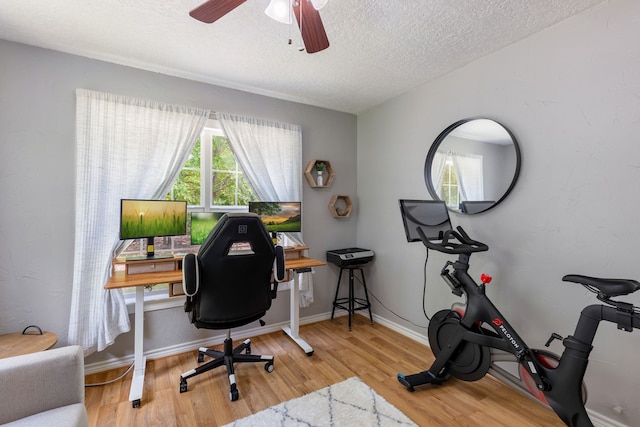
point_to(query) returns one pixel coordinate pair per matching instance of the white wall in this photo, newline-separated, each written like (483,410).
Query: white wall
(571,96)
(37,185)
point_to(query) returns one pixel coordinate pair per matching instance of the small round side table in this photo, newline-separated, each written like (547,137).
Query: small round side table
(26,342)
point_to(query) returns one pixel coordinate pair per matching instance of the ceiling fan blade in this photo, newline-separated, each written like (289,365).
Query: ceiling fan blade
(213,10)
(313,34)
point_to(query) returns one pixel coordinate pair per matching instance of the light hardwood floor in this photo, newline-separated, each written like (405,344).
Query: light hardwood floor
(373,353)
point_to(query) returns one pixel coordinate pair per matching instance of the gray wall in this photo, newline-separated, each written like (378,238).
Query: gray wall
(571,95)
(37,178)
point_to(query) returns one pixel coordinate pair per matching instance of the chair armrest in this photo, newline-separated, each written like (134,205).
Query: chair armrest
(279,271)
(278,264)
(38,382)
(190,275)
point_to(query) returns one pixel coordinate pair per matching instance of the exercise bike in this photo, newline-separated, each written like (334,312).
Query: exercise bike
(469,340)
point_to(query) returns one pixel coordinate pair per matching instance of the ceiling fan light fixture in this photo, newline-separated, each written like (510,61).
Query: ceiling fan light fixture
(319,4)
(279,10)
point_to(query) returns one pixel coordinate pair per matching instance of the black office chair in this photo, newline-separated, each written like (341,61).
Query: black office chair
(229,283)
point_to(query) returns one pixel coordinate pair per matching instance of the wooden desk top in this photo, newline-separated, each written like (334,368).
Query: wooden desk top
(302,262)
(18,343)
(120,279)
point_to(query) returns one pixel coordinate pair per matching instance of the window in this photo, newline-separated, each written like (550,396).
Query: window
(462,178)
(450,190)
(219,186)
(210,181)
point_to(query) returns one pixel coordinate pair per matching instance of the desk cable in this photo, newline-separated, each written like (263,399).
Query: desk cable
(113,380)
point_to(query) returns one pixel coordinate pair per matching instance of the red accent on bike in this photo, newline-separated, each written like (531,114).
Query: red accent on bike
(485,278)
(497,322)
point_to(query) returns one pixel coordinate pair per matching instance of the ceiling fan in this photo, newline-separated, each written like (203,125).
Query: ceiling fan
(309,21)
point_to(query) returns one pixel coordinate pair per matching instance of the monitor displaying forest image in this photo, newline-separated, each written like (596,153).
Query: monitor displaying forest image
(279,216)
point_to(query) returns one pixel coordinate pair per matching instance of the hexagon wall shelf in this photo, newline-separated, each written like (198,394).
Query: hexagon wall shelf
(340,206)
(312,175)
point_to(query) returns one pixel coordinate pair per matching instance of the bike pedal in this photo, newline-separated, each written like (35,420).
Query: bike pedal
(402,380)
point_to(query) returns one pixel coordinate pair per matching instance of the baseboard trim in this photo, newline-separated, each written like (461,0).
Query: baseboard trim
(422,339)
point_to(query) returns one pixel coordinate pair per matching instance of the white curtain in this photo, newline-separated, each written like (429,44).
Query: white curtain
(125,148)
(270,154)
(468,168)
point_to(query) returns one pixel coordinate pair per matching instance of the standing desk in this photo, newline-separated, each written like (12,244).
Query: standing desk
(298,265)
(120,279)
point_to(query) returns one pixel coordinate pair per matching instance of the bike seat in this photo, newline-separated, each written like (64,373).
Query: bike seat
(609,287)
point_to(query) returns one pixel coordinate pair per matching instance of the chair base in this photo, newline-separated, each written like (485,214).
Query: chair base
(230,355)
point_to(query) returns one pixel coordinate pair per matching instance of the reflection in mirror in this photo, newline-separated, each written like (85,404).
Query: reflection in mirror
(472,165)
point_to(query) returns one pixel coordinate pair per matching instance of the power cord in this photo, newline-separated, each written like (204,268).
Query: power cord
(424,296)
(113,380)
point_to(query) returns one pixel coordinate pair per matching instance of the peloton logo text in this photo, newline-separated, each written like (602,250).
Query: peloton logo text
(498,323)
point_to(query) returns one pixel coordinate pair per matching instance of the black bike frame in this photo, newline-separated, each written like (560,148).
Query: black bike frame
(562,384)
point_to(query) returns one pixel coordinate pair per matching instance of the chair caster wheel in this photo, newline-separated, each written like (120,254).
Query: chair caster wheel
(200,357)
(247,349)
(269,367)
(233,395)
(183,386)
(135,403)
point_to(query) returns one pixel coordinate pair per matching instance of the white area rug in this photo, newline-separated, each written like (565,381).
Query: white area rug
(349,403)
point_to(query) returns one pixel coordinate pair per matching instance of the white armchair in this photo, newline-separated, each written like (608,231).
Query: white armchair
(43,389)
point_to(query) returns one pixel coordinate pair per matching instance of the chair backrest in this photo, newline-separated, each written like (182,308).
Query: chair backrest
(235,265)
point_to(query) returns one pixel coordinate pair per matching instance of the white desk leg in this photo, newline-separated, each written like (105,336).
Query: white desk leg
(294,310)
(139,361)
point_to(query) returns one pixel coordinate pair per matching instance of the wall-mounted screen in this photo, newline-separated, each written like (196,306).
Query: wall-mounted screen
(431,216)
(279,217)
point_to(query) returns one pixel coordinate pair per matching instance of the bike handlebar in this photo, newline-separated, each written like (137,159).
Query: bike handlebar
(464,244)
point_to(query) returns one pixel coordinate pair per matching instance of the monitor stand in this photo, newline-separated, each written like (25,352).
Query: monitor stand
(151,255)
(276,238)
(148,258)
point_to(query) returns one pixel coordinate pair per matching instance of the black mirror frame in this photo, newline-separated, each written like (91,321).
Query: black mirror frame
(434,148)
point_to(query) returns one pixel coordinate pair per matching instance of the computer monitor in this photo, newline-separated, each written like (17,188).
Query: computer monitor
(201,225)
(146,219)
(279,216)
(476,206)
(431,216)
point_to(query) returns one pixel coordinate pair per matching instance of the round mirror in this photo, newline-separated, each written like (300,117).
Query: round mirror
(472,165)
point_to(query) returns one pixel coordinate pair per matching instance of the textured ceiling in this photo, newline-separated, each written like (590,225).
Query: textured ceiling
(379,48)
